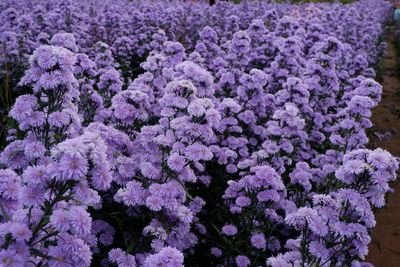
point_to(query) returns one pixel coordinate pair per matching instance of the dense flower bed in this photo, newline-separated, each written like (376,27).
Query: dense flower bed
(168,133)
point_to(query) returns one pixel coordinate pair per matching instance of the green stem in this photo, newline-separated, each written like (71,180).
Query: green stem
(3,211)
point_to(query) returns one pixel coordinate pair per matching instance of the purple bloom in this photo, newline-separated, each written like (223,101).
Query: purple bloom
(196,108)
(46,59)
(61,257)
(154,203)
(79,220)
(258,241)
(10,258)
(318,226)
(116,255)
(355,166)
(36,119)
(229,230)
(149,170)
(59,119)
(73,167)
(198,152)
(319,250)
(168,257)
(269,102)
(50,80)
(185,215)
(119,257)
(20,232)
(216,252)
(60,220)
(101,178)
(243,201)
(242,261)
(379,159)
(20,111)
(32,196)
(127,261)
(176,162)
(34,150)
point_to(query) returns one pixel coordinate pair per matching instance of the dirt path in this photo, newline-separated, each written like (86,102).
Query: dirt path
(387,231)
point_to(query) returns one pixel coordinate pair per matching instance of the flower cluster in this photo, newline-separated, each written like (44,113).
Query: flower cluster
(167,133)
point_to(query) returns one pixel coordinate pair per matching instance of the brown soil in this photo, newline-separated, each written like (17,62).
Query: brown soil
(385,248)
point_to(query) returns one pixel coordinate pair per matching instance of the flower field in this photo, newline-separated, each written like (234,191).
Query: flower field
(167,134)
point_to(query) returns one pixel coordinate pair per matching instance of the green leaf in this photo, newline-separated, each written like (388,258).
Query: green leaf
(131,247)
(37,252)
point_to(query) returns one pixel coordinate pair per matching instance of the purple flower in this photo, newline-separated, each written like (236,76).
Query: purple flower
(66,40)
(34,150)
(379,159)
(269,103)
(149,170)
(77,250)
(10,258)
(59,119)
(176,162)
(73,167)
(196,108)
(318,226)
(61,257)
(36,119)
(79,220)
(168,257)
(242,261)
(319,250)
(20,232)
(154,203)
(21,110)
(32,196)
(198,152)
(50,80)
(116,255)
(258,241)
(243,201)
(46,58)
(60,220)
(185,215)
(229,230)
(119,257)
(216,252)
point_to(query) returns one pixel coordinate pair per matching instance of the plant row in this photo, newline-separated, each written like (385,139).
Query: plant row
(169,134)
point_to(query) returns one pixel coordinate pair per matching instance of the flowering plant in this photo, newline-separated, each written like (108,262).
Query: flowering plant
(169,133)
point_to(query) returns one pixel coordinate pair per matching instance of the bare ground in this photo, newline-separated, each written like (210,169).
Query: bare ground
(385,248)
